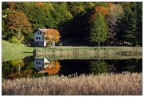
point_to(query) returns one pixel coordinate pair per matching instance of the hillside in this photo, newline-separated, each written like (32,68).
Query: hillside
(12,51)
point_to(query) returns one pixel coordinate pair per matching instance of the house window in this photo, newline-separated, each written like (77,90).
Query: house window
(39,62)
(40,32)
(36,37)
(36,62)
(39,38)
(40,68)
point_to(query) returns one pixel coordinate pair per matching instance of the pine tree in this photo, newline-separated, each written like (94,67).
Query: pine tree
(129,28)
(98,30)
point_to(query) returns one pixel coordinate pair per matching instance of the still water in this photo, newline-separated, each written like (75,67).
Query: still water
(37,67)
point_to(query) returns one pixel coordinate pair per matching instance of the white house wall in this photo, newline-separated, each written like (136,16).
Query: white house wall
(46,61)
(38,37)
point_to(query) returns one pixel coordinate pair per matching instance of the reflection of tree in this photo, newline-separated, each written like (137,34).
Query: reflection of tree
(18,62)
(17,68)
(53,68)
(132,65)
(97,67)
(12,68)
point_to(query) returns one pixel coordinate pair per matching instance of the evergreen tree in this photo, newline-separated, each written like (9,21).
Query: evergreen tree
(139,22)
(130,31)
(98,30)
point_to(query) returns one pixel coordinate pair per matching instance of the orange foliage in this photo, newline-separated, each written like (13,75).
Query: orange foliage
(39,3)
(12,5)
(53,68)
(102,10)
(18,21)
(99,10)
(110,5)
(52,35)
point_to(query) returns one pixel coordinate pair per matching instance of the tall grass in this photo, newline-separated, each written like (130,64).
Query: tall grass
(89,52)
(104,84)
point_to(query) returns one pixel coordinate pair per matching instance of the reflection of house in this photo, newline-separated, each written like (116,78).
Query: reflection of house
(39,37)
(40,64)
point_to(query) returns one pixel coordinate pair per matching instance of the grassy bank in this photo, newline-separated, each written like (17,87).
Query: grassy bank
(104,84)
(12,51)
(89,52)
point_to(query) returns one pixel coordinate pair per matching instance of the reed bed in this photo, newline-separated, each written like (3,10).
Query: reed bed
(89,52)
(103,84)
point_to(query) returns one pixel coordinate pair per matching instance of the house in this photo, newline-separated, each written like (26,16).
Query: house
(39,37)
(40,63)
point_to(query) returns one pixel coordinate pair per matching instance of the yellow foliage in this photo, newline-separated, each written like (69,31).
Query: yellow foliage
(39,3)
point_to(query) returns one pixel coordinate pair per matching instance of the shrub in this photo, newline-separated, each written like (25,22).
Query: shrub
(14,39)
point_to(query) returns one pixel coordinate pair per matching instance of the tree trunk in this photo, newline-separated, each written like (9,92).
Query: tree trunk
(19,68)
(18,34)
(98,44)
(53,44)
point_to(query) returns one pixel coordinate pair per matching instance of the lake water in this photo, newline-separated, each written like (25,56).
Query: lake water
(38,67)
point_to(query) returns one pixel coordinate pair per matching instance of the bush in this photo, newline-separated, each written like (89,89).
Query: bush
(14,39)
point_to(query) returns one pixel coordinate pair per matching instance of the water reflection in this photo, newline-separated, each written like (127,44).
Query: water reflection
(41,64)
(98,67)
(37,67)
(44,66)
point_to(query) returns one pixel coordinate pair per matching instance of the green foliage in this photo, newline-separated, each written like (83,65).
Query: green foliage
(14,39)
(98,30)
(72,20)
(130,27)
(115,13)
(16,62)
(75,7)
(97,67)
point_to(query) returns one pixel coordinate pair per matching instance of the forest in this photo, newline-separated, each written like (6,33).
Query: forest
(79,23)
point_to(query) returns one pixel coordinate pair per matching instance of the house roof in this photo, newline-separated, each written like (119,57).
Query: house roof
(40,29)
(43,30)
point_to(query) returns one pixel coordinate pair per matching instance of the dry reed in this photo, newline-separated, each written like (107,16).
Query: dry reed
(104,84)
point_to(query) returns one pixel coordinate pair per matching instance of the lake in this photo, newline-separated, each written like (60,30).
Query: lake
(38,67)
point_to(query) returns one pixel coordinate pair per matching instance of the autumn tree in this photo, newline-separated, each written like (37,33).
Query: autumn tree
(18,22)
(53,67)
(98,30)
(98,10)
(115,13)
(52,36)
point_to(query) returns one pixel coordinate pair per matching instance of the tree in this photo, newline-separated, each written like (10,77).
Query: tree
(98,10)
(98,67)
(128,26)
(115,13)
(18,22)
(75,8)
(98,30)
(130,31)
(52,36)
(138,8)
(53,68)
